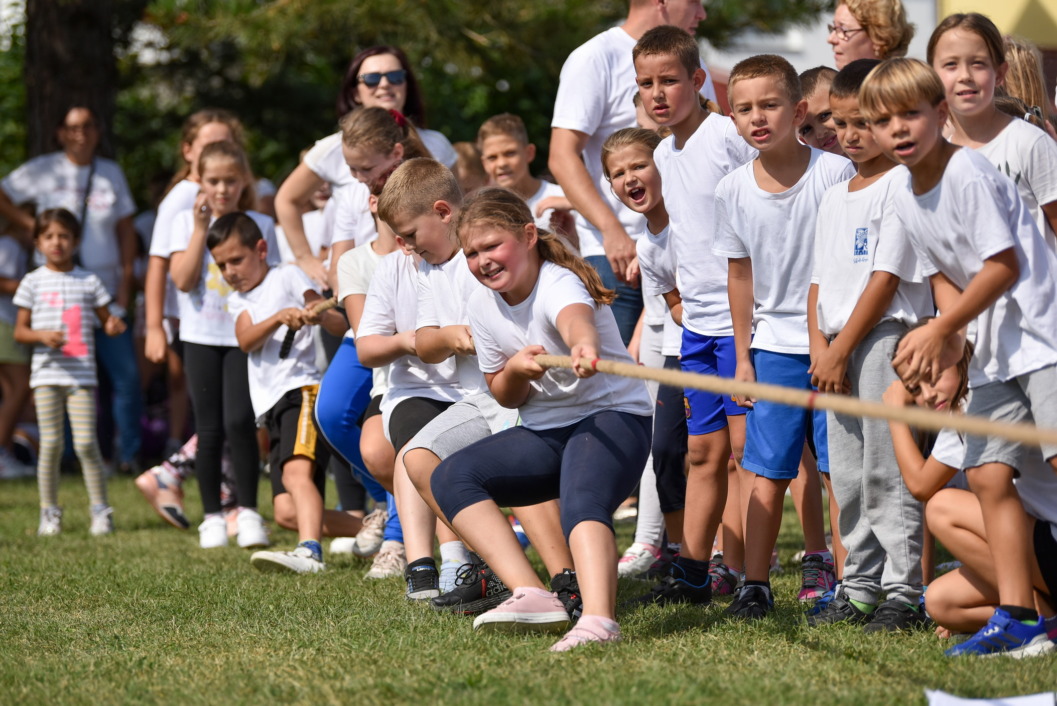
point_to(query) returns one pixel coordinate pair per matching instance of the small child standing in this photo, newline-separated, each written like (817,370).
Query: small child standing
(765,222)
(56,302)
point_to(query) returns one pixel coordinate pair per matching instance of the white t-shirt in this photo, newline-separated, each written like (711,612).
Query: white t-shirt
(328,163)
(595,94)
(180,198)
(1028,156)
(776,231)
(559,398)
(352,214)
(658,272)
(972,214)
(316,233)
(53,181)
(204,315)
(391,308)
(857,235)
(63,301)
(14,260)
(355,270)
(689,177)
(271,376)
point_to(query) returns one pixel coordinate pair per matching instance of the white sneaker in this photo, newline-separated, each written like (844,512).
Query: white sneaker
(102,522)
(638,558)
(342,545)
(389,562)
(369,540)
(252,532)
(213,532)
(300,561)
(50,521)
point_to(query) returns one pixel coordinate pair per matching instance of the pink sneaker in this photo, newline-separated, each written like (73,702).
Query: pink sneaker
(818,577)
(638,558)
(528,610)
(590,628)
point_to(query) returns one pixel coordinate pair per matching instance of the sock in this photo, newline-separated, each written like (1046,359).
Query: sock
(826,555)
(694,570)
(1051,628)
(425,563)
(313,546)
(454,551)
(97,508)
(1028,616)
(600,622)
(675,547)
(867,608)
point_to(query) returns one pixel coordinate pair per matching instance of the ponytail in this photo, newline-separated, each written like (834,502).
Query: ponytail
(380,129)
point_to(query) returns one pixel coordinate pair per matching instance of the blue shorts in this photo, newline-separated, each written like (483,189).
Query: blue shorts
(775,433)
(707,412)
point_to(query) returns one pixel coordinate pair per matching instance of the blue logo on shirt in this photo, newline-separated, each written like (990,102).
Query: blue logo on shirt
(862,244)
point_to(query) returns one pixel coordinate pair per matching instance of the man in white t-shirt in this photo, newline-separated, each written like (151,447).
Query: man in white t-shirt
(595,100)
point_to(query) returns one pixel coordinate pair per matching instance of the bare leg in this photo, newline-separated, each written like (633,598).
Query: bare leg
(733,534)
(706,492)
(595,552)
(308,503)
(485,527)
(14,388)
(839,552)
(763,522)
(335,522)
(377,453)
(416,517)
(1004,521)
(543,526)
(807,498)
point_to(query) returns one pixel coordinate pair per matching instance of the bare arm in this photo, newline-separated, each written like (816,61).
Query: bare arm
(25,334)
(8,286)
(377,350)
(742,301)
(674,300)
(438,343)
(512,386)
(290,202)
(923,477)
(1050,210)
(154,302)
(21,220)
(185,267)
(252,336)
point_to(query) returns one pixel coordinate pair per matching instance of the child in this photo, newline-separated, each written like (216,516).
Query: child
(506,154)
(216,368)
(817,128)
(988,265)
(765,220)
(863,296)
(966,50)
(468,169)
(964,599)
(583,439)
(14,357)
(54,304)
(268,303)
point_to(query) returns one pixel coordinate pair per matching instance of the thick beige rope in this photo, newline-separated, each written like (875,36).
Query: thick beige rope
(841,404)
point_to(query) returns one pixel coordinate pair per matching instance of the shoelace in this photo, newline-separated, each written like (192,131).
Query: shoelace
(465,573)
(813,573)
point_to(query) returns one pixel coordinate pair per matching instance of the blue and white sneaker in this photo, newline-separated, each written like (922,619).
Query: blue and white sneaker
(824,600)
(1004,636)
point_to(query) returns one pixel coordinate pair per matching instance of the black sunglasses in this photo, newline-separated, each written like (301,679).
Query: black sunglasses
(372,79)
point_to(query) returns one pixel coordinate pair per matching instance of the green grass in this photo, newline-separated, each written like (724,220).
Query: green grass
(146,617)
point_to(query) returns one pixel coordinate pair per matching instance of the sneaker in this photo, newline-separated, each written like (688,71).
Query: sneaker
(894,616)
(660,568)
(477,589)
(528,610)
(752,603)
(724,581)
(637,559)
(566,587)
(342,545)
(251,530)
(102,521)
(213,532)
(388,563)
(167,501)
(626,513)
(449,574)
(1004,636)
(821,603)
(818,577)
(300,561)
(369,540)
(589,630)
(838,609)
(423,582)
(50,521)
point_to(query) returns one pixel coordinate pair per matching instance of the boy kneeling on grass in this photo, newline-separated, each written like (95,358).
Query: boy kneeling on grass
(283,379)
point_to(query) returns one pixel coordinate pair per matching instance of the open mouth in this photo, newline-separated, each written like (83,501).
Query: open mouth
(761,133)
(829,142)
(904,148)
(491,274)
(637,194)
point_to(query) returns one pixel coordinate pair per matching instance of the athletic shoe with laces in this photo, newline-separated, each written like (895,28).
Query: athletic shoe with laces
(894,616)
(751,603)
(449,574)
(724,581)
(213,532)
(251,530)
(660,568)
(527,610)
(821,603)
(674,588)
(592,629)
(342,545)
(301,560)
(102,521)
(50,522)
(423,582)
(818,577)
(838,609)
(566,587)
(369,539)
(390,561)
(638,558)
(477,589)
(1005,636)
(167,500)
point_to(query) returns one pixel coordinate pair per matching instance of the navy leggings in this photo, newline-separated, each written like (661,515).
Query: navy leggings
(591,466)
(669,443)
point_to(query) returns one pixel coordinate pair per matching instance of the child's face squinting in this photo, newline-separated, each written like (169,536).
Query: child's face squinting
(222,182)
(506,160)
(427,234)
(57,245)
(372,167)
(908,135)
(501,260)
(969,75)
(817,128)
(763,113)
(242,267)
(668,92)
(940,396)
(853,132)
(634,178)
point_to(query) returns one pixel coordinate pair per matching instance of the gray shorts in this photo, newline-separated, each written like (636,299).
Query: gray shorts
(1026,398)
(465,422)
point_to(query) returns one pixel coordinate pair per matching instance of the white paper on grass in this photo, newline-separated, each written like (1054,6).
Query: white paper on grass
(942,698)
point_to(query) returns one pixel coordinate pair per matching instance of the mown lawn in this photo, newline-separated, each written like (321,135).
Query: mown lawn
(146,617)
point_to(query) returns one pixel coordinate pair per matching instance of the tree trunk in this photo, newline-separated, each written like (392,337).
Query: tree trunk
(69,62)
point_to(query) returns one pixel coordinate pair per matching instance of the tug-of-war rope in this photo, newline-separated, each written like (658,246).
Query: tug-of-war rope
(841,404)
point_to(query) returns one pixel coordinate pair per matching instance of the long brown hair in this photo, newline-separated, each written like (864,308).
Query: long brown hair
(502,208)
(190,133)
(234,153)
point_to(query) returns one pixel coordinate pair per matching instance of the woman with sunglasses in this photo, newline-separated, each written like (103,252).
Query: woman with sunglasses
(377,77)
(869,29)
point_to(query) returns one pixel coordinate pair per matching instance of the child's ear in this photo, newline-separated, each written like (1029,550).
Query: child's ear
(944,112)
(444,210)
(398,151)
(530,151)
(698,77)
(261,248)
(1000,73)
(800,113)
(531,235)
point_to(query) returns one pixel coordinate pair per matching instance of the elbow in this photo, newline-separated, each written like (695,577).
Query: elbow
(921,493)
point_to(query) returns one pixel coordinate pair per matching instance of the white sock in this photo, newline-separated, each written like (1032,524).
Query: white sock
(454,551)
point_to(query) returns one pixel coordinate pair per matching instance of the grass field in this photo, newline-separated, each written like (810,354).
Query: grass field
(146,617)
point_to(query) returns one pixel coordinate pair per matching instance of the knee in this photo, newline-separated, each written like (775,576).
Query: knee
(939,514)
(703,451)
(285,514)
(379,457)
(420,465)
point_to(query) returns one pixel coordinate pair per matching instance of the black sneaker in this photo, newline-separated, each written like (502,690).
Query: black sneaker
(893,616)
(674,588)
(423,582)
(477,589)
(568,590)
(660,568)
(838,610)
(752,603)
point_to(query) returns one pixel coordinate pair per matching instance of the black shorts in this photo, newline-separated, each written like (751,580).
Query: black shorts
(1046,555)
(374,408)
(292,432)
(410,415)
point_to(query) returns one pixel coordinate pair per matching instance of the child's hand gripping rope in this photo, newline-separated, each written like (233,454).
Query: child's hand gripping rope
(309,315)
